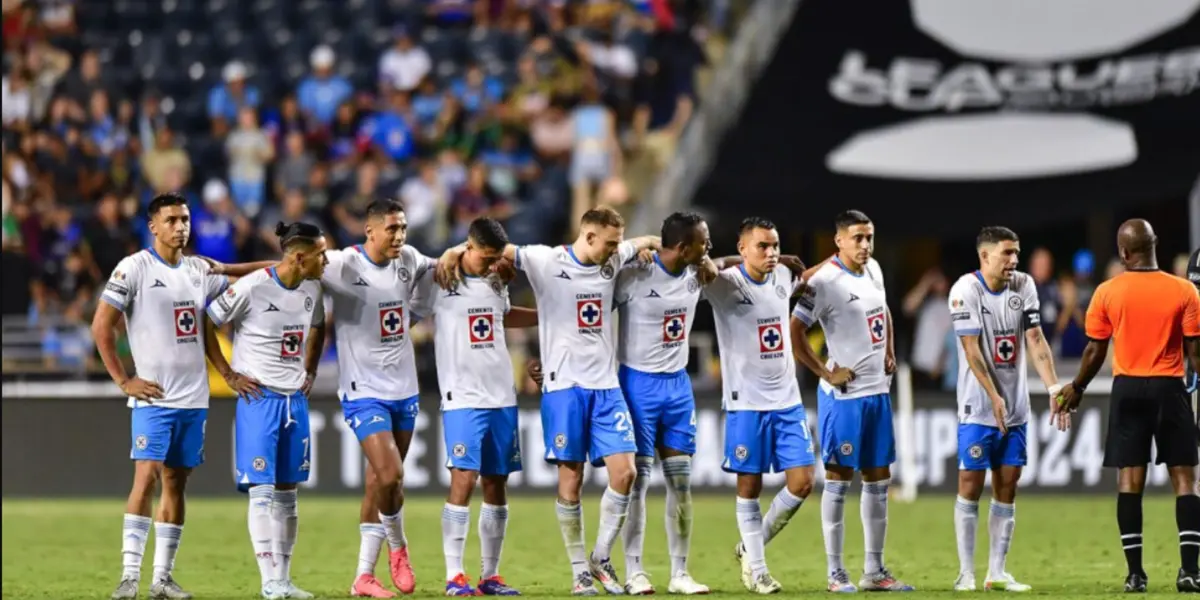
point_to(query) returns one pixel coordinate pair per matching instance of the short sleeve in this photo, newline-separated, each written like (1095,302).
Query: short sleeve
(1098,323)
(419,263)
(214,285)
(808,304)
(122,284)
(964,309)
(722,288)
(505,298)
(626,252)
(233,304)
(534,259)
(1191,311)
(337,263)
(318,316)
(424,293)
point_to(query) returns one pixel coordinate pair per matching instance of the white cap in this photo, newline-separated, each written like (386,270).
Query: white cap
(215,191)
(322,57)
(234,71)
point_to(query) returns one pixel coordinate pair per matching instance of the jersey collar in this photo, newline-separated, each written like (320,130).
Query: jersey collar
(275,276)
(983,282)
(162,260)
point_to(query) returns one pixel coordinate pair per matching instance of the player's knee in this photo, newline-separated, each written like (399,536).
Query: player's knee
(174,480)
(621,477)
(389,474)
(146,474)
(800,484)
(970,485)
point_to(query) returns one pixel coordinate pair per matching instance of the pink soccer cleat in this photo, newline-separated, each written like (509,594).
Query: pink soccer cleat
(402,573)
(367,586)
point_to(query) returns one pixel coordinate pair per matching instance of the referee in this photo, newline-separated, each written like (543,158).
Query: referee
(1149,316)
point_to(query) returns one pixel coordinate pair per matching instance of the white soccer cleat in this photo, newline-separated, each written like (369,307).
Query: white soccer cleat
(839,582)
(639,585)
(274,590)
(682,583)
(606,575)
(882,581)
(764,584)
(584,585)
(965,582)
(1005,583)
(739,552)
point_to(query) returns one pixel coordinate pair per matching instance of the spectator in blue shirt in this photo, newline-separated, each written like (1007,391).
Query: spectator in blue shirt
(322,92)
(218,229)
(477,91)
(389,129)
(224,100)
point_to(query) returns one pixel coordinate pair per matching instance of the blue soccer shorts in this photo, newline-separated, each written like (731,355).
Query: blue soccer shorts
(580,424)
(767,441)
(368,416)
(172,436)
(486,440)
(272,441)
(982,447)
(856,432)
(663,410)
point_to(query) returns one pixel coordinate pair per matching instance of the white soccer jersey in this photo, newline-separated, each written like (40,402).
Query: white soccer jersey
(1000,320)
(757,368)
(657,311)
(852,310)
(163,306)
(271,324)
(574,303)
(371,315)
(473,365)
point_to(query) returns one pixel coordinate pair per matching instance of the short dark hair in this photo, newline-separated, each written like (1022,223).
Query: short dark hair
(296,235)
(162,201)
(679,228)
(752,223)
(603,216)
(379,209)
(488,232)
(850,218)
(994,234)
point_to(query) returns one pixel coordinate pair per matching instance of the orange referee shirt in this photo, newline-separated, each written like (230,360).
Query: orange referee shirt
(1146,314)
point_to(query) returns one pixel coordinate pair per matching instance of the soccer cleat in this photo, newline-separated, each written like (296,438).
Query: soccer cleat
(291,591)
(739,552)
(495,586)
(1005,583)
(367,586)
(167,589)
(1135,584)
(402,573)
(274,590)
(839,582)
(965,582)
(639,585)
(127,589)
(1188,583)
(460,586)
(882,581)
(584,585)
(604,573)
(765,584)
(682,583)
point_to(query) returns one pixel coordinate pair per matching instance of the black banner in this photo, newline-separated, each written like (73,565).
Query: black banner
(80,447)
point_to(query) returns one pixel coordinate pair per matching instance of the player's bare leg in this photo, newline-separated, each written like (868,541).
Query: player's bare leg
(677,470)
(383,452)
(168,530)
(751,551)
(285,521)
(570,522)
(136,530)
(1002,520)
(456,523)
(493,524)
(833,522)
(614,507)
(966,524)
(874,507)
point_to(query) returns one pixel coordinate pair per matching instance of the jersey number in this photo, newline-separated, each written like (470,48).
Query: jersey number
(623,420)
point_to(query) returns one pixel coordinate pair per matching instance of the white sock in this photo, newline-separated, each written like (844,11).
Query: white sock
(262,529)
(166,544)
(287,526)
(456,522)
(678,472)
(874,519)
(833,522)
(371,536)
(570,522)
(750,525)
(493,522)
(633,536)
(966,520)
(614,507)
(394,525)
(782,508)
(1002,519)
(134,534)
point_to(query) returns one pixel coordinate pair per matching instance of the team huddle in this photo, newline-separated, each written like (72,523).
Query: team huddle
(613,318)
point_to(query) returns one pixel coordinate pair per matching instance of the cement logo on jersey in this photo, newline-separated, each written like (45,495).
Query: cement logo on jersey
(560,441)
(141,442)
(1015,303)
(259,464)
(481,328)
(391,321)
(847,449)
(741,453)
(770,338)
(185,322)
(674,328)
(292,344)
(589,313)
(1004,349)
(975,451)
(877,327)
(459,450)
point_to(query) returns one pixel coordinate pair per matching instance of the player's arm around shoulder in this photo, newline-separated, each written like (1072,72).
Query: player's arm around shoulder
(514,316)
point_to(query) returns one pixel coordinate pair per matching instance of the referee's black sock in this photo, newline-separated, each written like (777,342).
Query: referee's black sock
(1187,516)
(1129,521)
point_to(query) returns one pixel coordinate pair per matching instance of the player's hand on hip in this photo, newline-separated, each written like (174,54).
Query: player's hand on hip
(245,387)
(1000,412)
(840,376)
(534,368)
(141,389)
(793,263)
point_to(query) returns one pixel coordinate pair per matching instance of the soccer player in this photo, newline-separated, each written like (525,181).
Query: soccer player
(372,285)
(584,414)
(995,315)
(846,295)
(273,312)
(1150,317)
(479,403)
(766,429)
(161,294)
(658,306)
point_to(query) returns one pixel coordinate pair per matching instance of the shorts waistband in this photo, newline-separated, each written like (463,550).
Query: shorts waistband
(668,375)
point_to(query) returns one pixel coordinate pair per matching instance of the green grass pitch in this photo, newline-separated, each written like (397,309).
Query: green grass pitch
(1066,547)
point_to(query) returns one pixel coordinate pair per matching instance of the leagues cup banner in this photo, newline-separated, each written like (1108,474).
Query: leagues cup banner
(80,447)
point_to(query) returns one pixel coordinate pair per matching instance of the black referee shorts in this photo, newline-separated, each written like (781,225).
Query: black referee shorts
(1150,410)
